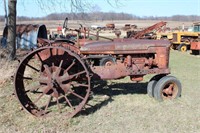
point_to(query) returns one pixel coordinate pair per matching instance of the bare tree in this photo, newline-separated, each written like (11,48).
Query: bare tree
(11,28)
(6,15)
(78,5)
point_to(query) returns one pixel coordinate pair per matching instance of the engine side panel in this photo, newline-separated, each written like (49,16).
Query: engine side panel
(134,58)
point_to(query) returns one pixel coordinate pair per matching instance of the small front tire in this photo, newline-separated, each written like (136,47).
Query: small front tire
(150,87)
(167,88)
(152,83)
(183,48)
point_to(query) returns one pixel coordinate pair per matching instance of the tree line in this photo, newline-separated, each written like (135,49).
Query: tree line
(101,16)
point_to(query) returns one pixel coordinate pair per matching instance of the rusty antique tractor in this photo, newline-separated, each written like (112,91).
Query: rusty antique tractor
(58,74)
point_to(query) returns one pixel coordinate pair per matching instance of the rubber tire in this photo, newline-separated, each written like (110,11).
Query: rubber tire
(150,88)
(152,83)
(182,45)
(162,82)
(196,52)
(106,59)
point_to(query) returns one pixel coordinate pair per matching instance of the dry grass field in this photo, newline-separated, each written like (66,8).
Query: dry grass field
(119,105)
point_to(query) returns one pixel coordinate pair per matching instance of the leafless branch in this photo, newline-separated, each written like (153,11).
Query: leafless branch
(114,3)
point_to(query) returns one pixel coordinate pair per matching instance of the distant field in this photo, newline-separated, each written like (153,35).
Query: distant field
(119,106)
(52,24)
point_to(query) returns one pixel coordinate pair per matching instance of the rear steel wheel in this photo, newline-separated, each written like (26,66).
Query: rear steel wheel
(50,80)
(167,88)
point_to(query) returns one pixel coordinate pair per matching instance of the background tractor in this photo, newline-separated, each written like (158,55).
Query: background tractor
(182,39)
(195,46)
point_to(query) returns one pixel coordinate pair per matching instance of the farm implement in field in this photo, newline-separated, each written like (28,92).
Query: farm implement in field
(57,76)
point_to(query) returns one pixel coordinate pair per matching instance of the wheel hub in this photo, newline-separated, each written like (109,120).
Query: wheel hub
(53,80)
(108,63)
(169,91)
(183,48)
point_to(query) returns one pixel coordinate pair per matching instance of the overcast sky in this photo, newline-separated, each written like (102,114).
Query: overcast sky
(136,7)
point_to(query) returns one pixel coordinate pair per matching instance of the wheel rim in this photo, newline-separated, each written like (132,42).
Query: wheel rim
(183,49)
(56,81)
(109,63)
(169,91)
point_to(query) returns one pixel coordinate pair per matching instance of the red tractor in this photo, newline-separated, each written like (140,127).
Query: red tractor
(195,48)
(58,75)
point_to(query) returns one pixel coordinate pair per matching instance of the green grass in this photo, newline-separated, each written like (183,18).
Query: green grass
(119,106)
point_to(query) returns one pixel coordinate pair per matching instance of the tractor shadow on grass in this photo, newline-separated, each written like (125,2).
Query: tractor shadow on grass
(105,92)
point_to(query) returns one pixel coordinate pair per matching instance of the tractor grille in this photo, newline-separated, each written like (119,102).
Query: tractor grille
(174,37)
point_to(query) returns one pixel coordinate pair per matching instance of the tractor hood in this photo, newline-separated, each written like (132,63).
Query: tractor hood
(121,46)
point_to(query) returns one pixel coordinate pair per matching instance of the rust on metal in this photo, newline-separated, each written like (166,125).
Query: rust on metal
(170,91)
(55,80)
(156,52)
(27,35)
(195,46)
(141,34)
(63,69)
(110,26)
(123,46)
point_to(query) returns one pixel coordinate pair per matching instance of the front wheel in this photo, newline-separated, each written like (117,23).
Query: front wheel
(183,48)
(196,52)
(150,87)
(167,88)
(152,83)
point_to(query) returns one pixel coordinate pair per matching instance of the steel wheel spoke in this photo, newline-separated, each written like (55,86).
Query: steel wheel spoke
(47,70)
(67,100)
(58,104)
(47,88)
(77,74)
(47,105)
(51,54)
(78,85)
(61,62)
(56,92)
(67,77)
(33,88)
(33,79)
(56,51)
(28,78)
(53,65)
(33,68)
(75,94)
(41,95)
(39,58)
(59,69)
(43,80)
(70,66)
